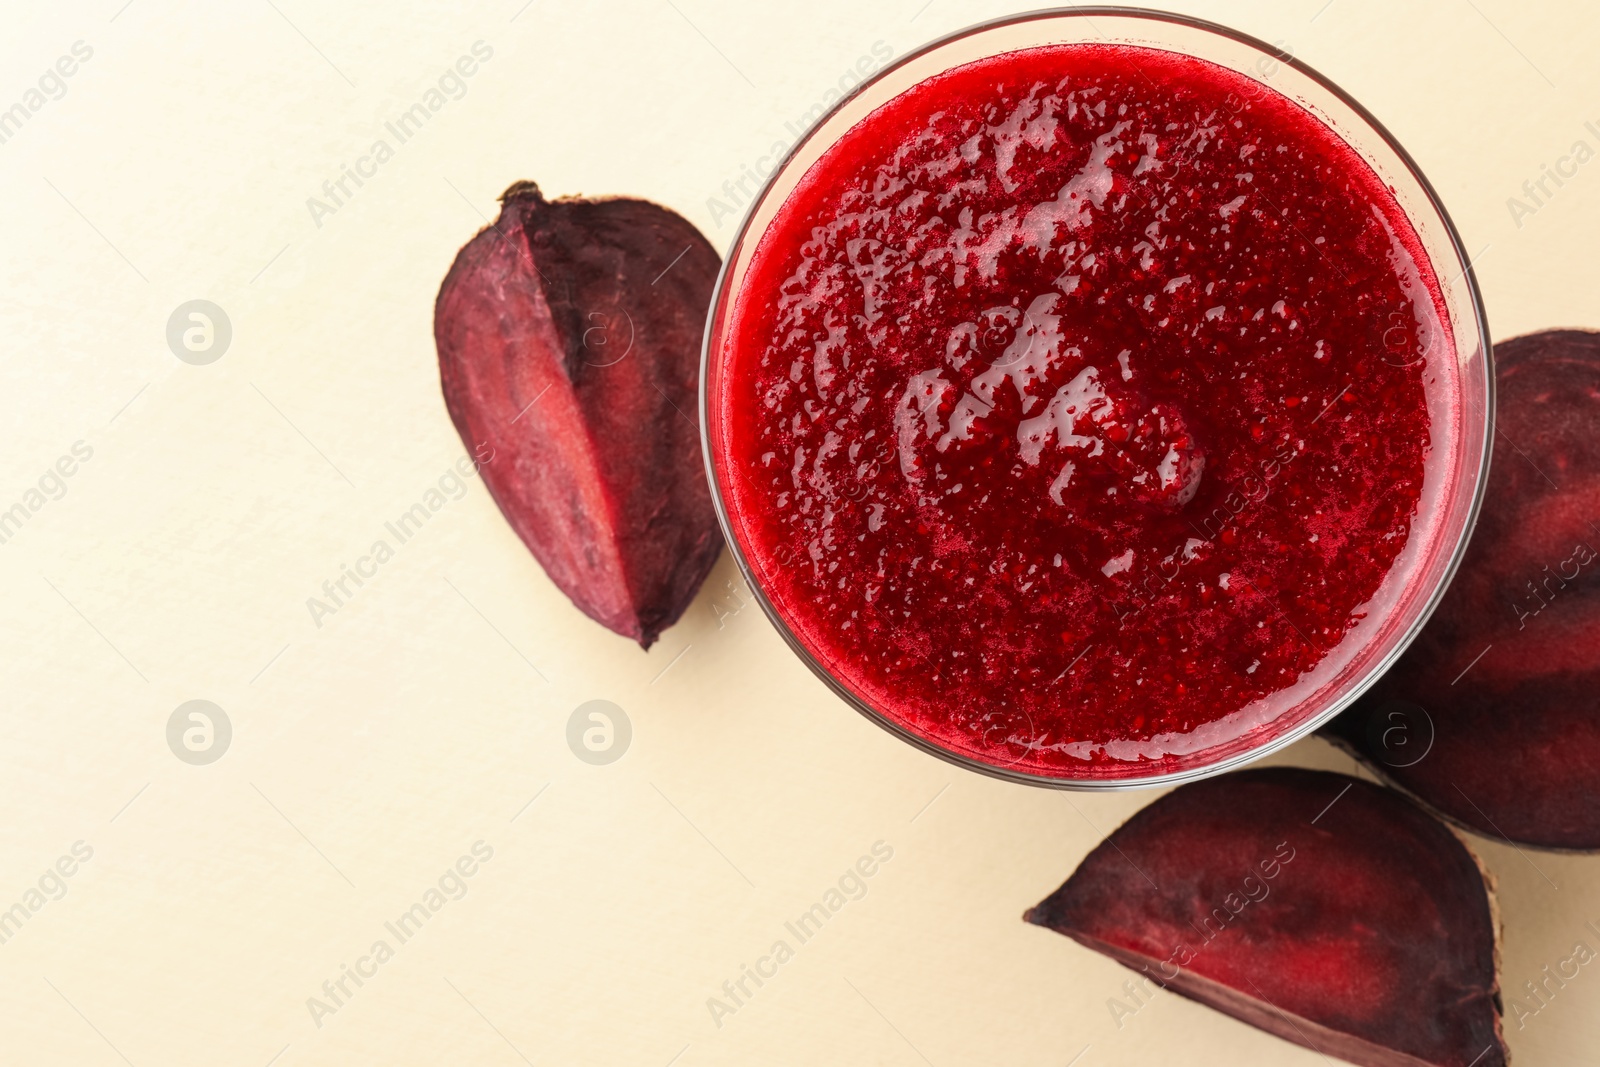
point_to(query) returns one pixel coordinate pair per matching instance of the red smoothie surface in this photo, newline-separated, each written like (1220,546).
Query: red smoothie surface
(1072,409)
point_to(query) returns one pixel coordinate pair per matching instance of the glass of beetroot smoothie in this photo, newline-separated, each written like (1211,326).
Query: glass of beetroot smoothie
(1097,398)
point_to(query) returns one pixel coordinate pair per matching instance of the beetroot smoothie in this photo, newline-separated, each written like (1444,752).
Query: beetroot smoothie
(1072,410)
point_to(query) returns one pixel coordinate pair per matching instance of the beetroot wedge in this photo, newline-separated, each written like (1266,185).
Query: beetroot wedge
(569,344)
(1320,908)
(1492,717)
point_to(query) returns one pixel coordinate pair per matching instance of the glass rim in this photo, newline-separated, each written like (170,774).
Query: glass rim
(1373,671)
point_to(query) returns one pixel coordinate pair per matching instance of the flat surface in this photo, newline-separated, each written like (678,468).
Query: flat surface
(374,745)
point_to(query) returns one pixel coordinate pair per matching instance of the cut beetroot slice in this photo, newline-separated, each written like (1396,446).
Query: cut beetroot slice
(1491,717)
(1321,908)
(569,347)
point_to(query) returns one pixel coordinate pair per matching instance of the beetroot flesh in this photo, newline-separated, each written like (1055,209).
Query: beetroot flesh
(569,342)
(1321,908)
(1505,676)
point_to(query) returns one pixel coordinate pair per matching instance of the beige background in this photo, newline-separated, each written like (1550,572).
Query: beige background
(368,754)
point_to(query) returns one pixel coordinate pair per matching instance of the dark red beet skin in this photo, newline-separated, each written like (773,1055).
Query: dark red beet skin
(1321,908)
(569,340)
(1505,679)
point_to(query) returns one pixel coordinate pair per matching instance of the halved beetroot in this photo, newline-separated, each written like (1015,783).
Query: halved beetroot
(1505,678)
(569,344)
(1320,908)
